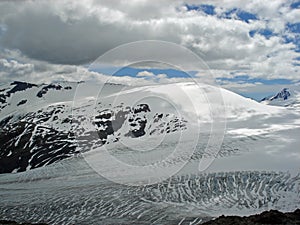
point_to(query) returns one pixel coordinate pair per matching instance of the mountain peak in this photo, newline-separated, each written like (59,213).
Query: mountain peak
(284,94)
(286,97)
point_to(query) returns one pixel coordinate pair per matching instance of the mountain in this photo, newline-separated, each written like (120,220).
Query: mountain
(284,94)
(44,123)
(37,126)
(227,154)
(286,98)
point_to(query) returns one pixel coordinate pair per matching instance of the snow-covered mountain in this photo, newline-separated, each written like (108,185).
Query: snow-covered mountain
(284,94)
(45,129)
(286,97)
(42,124)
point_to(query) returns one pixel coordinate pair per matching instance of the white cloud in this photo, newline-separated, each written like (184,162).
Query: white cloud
(22,68)
(145,74)
(77,32)
(292,16)
(161,76)
(15,68)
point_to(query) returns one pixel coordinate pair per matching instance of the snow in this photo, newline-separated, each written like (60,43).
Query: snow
(257,167)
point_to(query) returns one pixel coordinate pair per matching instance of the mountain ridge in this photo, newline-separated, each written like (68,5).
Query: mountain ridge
(45,123)
(287,97)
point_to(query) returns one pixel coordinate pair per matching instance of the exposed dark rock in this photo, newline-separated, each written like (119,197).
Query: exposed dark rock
(109,121)
(45,89)
(27,146)
(2,98)
(268,217)
(19,86)
(103,121)
(283,94)
(66,120)
(5,121)
(22,102)
(137,126)
(141,108)
(27,143)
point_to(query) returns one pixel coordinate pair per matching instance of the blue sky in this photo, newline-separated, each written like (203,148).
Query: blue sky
(173,73)
(133,72)
(268,87)
(247,79)
(235,12)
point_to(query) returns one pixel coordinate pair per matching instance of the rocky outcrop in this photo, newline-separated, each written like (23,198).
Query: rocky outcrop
(268,217)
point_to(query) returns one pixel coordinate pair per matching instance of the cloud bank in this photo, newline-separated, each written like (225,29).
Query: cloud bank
(56,39)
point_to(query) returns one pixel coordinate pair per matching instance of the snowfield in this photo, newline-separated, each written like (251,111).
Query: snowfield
(163,154)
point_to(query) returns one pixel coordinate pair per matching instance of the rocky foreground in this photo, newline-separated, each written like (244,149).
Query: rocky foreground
(267,217)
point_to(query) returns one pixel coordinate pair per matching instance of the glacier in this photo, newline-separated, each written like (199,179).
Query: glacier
(55,166)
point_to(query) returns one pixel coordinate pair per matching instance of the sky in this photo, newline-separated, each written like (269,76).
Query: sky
(251,47)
